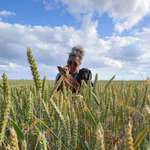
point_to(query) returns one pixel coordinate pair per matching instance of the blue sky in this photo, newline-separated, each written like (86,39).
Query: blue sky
(114,34)
(33,12)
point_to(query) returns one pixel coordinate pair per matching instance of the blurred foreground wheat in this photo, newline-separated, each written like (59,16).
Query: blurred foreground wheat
(34,116)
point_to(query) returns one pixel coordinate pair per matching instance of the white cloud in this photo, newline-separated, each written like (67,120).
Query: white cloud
(6,13)
(49,5)
(138,9)
(113,63)
(125,13)
(114,55)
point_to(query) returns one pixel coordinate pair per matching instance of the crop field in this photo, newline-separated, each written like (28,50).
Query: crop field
(111,115)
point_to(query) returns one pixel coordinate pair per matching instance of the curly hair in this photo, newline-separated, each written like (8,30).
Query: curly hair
(77,51)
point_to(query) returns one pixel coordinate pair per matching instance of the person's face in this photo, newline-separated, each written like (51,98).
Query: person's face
(73,64)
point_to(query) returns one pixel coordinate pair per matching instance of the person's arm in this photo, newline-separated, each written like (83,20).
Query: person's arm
(62,71)
(69,80)
(57,78)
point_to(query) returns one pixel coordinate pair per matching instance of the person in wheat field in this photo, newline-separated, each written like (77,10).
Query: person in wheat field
(73,67)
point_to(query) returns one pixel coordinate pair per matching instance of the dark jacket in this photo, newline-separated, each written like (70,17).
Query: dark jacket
(83,74)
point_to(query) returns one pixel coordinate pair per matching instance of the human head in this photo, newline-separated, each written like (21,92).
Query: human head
(75,58)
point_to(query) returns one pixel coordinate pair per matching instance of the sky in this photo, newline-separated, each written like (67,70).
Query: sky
(114,34)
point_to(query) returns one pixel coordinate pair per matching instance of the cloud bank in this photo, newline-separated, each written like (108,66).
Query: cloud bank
(6,13)
(125,13)
(126,56)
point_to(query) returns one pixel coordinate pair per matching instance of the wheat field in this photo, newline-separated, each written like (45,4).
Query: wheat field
(111,115)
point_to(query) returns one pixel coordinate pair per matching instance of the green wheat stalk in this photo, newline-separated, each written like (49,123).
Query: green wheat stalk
(12,140)
(5,110)
(34,69)
(42,142)
(99,138)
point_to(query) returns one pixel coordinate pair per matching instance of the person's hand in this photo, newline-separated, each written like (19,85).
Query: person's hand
(66,69)
(63,70)
(68,79)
